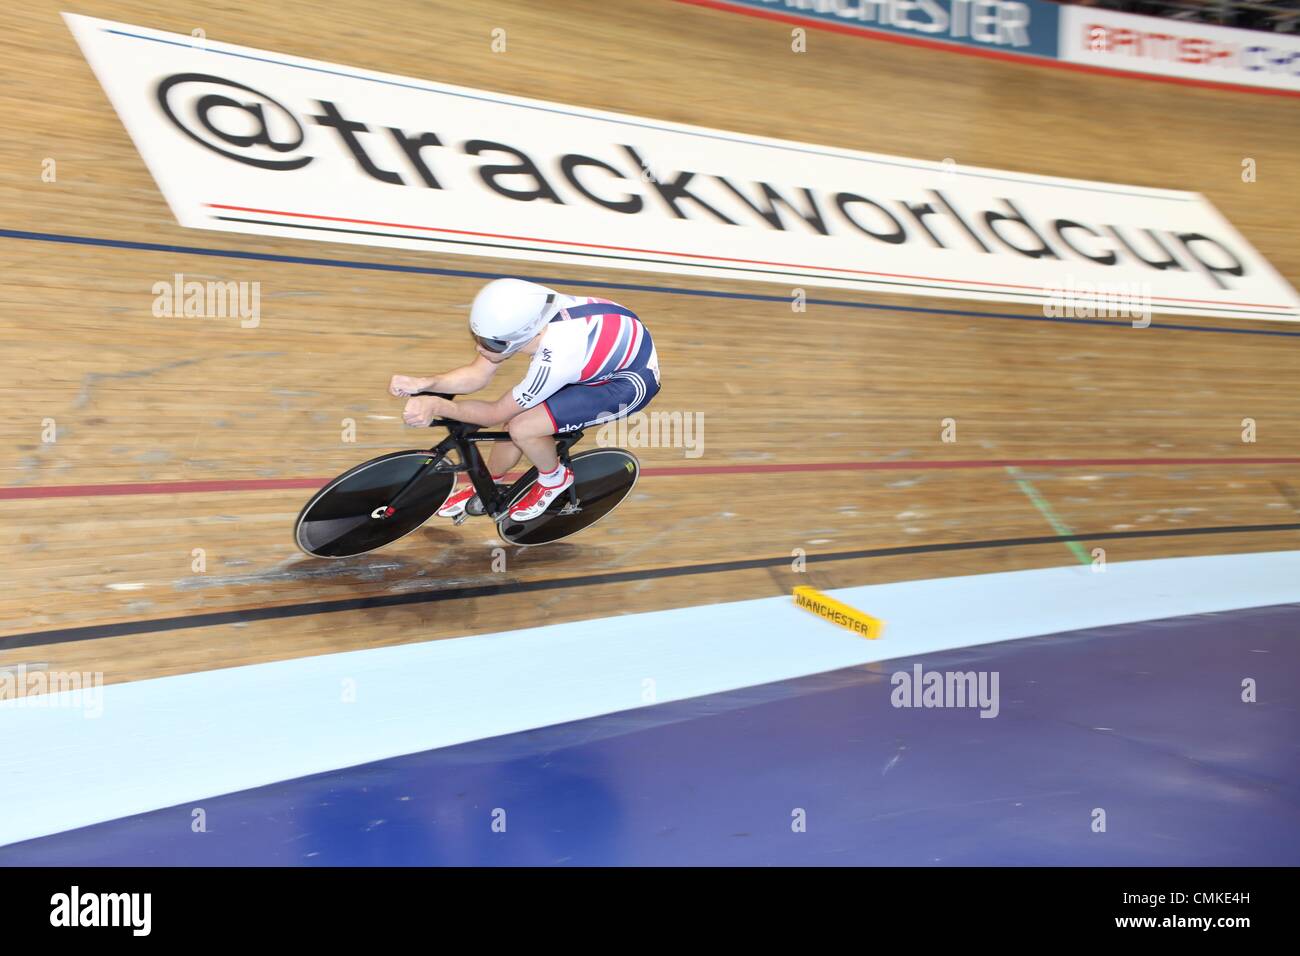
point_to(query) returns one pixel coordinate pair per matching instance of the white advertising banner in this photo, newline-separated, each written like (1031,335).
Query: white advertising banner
(251,141)
(1193,51)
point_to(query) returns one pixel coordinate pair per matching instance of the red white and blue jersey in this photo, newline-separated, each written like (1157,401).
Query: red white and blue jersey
(587,342)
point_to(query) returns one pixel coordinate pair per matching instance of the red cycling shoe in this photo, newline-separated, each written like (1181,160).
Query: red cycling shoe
(539,498)
(454,505)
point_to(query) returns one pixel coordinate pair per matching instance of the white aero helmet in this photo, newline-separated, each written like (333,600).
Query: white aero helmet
(507,313)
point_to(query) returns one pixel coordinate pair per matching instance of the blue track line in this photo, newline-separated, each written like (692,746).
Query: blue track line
(23,234)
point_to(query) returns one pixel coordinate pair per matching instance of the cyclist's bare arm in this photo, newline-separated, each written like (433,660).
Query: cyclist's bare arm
(459,381)
(477,412)
(420,410)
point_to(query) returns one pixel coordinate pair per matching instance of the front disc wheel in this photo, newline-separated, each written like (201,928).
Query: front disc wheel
(372,505)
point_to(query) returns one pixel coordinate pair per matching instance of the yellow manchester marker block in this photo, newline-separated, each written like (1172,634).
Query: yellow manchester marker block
(837,612)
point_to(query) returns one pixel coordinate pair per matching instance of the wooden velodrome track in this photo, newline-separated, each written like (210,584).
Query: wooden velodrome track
(140,402)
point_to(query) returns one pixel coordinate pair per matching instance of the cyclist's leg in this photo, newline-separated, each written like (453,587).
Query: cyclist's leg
(571,408)
(503,456)
(533,433)
(579,406)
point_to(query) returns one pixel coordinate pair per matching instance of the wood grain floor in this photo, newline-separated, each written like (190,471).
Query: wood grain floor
(139,400)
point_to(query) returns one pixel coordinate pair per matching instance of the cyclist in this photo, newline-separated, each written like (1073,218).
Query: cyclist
(593,361)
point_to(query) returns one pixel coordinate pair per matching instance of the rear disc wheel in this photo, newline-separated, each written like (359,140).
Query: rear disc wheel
(602,478)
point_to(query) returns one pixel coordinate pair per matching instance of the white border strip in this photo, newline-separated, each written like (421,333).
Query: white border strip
(175,740)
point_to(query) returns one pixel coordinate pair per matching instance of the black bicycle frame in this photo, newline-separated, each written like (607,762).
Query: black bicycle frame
(463,438)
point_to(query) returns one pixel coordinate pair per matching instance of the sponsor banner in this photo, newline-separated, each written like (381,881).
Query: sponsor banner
(251,141)
(1013,26)
(1194,51)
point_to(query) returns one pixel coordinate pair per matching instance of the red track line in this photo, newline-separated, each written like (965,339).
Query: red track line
(157,487)
(268,484)
(697,255)
(657,252)
(1029,59)
(952,465)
